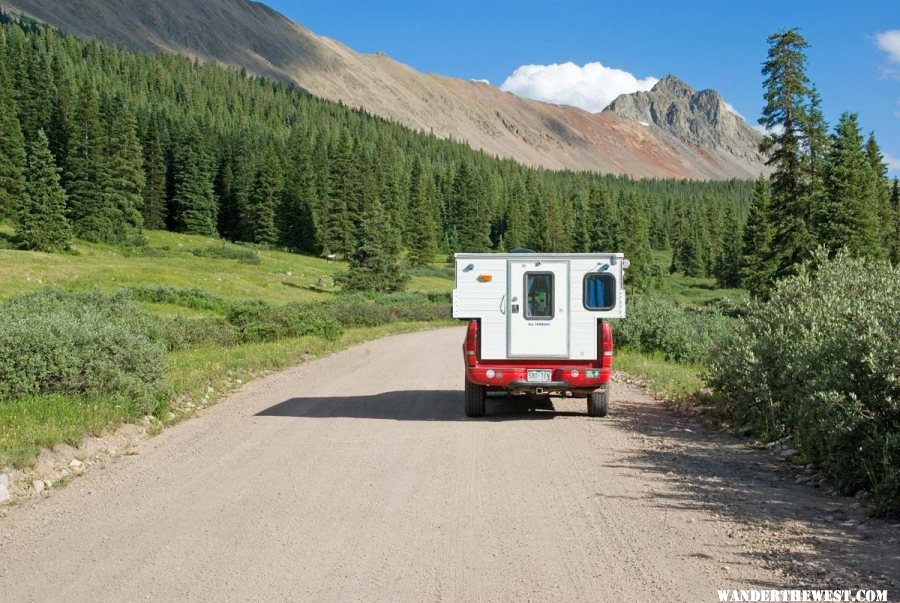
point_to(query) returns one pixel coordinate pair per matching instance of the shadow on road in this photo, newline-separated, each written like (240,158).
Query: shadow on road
(825,540)
(420,405)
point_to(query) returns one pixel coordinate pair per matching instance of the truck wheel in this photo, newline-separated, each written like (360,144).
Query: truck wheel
(474,400)
(598,403)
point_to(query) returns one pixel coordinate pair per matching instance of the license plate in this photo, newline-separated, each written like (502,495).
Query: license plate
(539,375)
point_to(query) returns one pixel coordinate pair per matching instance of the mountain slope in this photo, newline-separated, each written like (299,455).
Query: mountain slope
(253,36)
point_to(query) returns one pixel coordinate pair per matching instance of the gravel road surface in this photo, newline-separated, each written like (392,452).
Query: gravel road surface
(357,477)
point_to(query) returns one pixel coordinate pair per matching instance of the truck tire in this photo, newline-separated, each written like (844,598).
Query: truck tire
(474,400)
(598,403)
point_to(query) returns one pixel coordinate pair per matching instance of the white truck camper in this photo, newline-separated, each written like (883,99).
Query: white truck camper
(538,324)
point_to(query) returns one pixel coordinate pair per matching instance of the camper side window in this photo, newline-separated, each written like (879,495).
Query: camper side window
(538,295)
(599,291)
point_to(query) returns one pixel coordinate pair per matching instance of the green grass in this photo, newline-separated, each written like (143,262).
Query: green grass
(688,290)
(167,260)
(669,379)
(30,424)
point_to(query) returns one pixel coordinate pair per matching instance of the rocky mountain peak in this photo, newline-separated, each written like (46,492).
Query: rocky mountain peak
(672,86)
(701,119)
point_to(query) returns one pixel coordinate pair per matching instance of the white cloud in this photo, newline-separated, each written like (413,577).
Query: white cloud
(889,41)
(778,129)
(892,162)
(480,81)
(591,87)
(731,108)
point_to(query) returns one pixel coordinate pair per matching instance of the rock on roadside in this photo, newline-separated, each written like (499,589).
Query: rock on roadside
(4,488)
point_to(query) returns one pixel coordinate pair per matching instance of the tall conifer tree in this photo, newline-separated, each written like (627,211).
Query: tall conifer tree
(154,194)
(343,198)
(757,262)
(88,213)
(42,224)
(122,174)
(785,116)
(849,218)
(12,149)
(264,202)
(194,206)
(422,242)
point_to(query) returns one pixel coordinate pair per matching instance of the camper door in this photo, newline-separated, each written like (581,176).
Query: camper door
(538,309)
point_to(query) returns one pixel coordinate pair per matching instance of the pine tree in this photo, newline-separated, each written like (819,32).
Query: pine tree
(423,243)
(580,232)
(472,227)
(882,186)
(154,194)
(390,193)
(727,269)
(817,147)
(757,262)
(517,232)
(785,115)
(91,219)
(342,195)
(297,217)
(264,202)
(894,244)
(603,224)
(232,184)
(194,207)
(635,221)
(42,224)
(61,113)
(549,231)
(372,268)
(849,217)
(122,174)
(12,150)
(36,102)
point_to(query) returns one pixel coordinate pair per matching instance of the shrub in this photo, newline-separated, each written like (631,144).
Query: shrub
(821,361)
(183,332)
(444,271)
(259,321)
(361,310)
(194,298)
(57,342)
(658,325)
(227,251)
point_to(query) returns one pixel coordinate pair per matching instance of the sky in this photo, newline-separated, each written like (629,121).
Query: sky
(585,53)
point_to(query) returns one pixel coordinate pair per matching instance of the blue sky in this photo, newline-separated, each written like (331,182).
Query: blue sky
(708,44)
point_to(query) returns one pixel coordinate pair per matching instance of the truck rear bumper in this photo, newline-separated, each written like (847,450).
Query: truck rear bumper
(582,377)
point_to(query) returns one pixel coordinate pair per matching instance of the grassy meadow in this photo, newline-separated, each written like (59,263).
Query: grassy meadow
(202,279)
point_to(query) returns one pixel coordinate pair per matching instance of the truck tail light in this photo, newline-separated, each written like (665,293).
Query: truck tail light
(470,346)
(606,345)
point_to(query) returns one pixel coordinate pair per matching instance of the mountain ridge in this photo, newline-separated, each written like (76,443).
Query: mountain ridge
(253,36)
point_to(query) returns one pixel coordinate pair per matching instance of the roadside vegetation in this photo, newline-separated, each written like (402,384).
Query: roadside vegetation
(104,334)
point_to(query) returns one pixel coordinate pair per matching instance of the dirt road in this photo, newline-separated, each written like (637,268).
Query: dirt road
(357,477)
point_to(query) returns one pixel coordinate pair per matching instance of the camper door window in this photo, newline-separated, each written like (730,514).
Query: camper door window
(538,295)
(599,291)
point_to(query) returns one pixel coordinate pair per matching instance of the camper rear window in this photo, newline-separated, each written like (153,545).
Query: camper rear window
(538,295)
(600,291)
